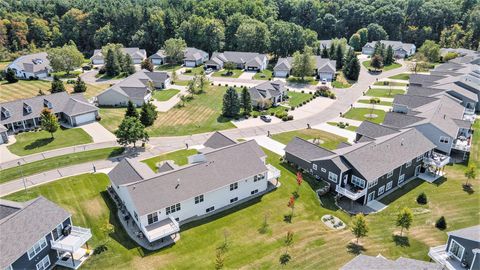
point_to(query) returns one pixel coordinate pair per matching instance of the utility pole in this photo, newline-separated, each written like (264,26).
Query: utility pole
(23,179)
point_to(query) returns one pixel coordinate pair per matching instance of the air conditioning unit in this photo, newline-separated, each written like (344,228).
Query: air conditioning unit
(67,230)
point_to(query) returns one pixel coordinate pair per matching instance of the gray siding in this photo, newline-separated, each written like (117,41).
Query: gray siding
(434,134)
(469,245)
(329,166)
(303,164)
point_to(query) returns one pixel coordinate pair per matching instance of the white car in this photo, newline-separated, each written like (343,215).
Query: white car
(324,81)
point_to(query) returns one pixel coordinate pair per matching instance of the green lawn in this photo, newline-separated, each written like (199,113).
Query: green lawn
(58,162)
(164,95)
(387,83)
(401,76)
(296,98)
(341,81)
(330,141)
(63,74)
(40,141)
(384,103)
(265,74)
(360,114)
(385,68)
(349,127)
(179,157)
(105,76)
(306,80)
(84,196)
(195,71)
(182,83)
(168,67)
(222,73)
(384,92)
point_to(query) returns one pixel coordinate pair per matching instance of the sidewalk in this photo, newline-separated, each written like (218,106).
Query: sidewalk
(165,106)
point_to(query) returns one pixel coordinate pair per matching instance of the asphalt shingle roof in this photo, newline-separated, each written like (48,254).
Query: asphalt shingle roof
(267,90)
(218,140)
(374,130)
(33,63)
(470,233)
(364,262)
(306,150)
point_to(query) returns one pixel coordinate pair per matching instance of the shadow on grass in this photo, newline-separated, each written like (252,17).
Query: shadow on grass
(468,189)
(401,241)
(355,248)
(411,185)
(223,119)
(38,143)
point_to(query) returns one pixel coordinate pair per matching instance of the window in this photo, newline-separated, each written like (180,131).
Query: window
(389,185)
(57,232)
(332,177)
(381,190)
(210,209)
(373,183)
(401,178)
(41,244)
(456,249)
(444,139)
(408,164)
(390,174)
(314,166)
(357,181)
(44,263)
(152,218)
(254,192)
(198,199)
(258,177)
(323,170)
(172,209)
(234,200)
(233,186)
(419,158)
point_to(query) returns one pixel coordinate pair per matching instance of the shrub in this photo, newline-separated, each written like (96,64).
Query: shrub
(290,117)
(255,116)
(280,114)
(102,70)
(292,108)
(341,125)
(422,198)
(332,95)
(188,71)
(98,118)
(303,91)
(441,223)
(272,113)
(285,118)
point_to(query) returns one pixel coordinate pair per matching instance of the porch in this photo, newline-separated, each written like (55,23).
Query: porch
(353,207)
(273,173)
(161,229)
(440,255)
(433,167)
(352,192)
(75,261)
(69,246)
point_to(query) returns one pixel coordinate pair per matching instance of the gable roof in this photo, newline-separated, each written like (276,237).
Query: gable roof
(160,54)
(412,101)
(252,58)
(306,150)
(32,63)
(424,79)
(267,90)
(218,140)
(194,54)
(24,227)
(470,233)
(396,45)
(129,171)
(424,91)
(134,52)
(365,262)
(374,130)
(321,64)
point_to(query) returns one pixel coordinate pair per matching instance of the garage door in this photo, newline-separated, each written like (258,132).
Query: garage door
(85,118)
(281,74)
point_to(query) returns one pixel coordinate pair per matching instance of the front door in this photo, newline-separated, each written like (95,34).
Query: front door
(417,170)
(371,196)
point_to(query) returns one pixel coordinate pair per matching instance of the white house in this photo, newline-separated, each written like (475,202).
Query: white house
(400,49)
(242,60)
(31,65)
(324,68)
(137,55)
(225,174)
(267,93)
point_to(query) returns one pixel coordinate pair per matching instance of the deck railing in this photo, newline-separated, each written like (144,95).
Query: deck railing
(350,194)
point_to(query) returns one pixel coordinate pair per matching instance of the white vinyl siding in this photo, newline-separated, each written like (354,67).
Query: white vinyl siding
(152,218)
(39,246)
(233,186)
(44,263)
(359,182)
(199,199)
(172,209)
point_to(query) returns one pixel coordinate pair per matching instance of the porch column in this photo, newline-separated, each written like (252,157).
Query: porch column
(13,127)
(34,122)
(73,260)
(23,123)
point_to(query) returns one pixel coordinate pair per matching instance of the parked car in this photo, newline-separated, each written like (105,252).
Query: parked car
(87,67)
(208,71)
(266,118)
(324,81)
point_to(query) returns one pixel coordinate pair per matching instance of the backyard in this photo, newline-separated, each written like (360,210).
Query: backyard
(164,95)
(367,64)
(235,73)
(32,142)
(384,92)
(362,114)
(327,140)
(180,157)
(265,74)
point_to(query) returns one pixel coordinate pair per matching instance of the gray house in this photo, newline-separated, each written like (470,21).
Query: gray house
(24,114)
(382,160)
(462,250)
(242,60)
(192,57)
(39,234)
(137,55)
(3,134)
(400,49)
(269,93)
(324,68)
(158,58)
(137,88)
(31,65)
(365,262)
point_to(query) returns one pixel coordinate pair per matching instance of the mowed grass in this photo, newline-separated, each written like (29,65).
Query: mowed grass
(223,73)
(28,89)
(195,71)
(341,81)
(384,92)
(297,98)
(367,64)
(265,74)
(202,114)
(328,140)
(58,162)
(384,103)
(306,80)
(164,95)
(360,114)
(168,67)
(401,76)
(4,64)
(349,127)
(40,141)
(388,83)
(180,157)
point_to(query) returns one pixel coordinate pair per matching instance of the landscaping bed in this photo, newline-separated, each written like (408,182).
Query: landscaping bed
(341,81)
(383,103)
(343,125)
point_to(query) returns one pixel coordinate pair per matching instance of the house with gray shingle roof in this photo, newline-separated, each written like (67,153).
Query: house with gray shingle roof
(24,114)
(31,66)
(368,169)
(137,88)
(39,234)
(242,60)
(324,68)
(224,176)
(462,250)
(266,94)
(365,262)
(400,49)
(192,57)
(137,55)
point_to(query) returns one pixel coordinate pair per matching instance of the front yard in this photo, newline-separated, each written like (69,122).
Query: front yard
(164,95)
(326,139)
(235,73)
(297,98)
(384,103)
(306,80)
(367,64)
(362,114)
(387,83)
(40,141)
(384,92)
(195,71)
(341,81)
(401,76)
(168,67)
(265,74)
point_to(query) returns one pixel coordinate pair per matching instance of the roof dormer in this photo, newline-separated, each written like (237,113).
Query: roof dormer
(47,104)
(27,108)
(6,112)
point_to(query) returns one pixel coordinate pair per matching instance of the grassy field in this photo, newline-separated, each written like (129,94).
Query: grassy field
(164,95)
(330,141)
(387,83)
(28,89)
(341,81)
(222,73)
(263,75)
(179,157)
(384,103)
(295,98)
(306,80)
(195,71)
(58,162)
(401,76)
(63,74)
(202,114)
(359,114)
(384,92)
(40,141)
(349,127)
(367,63)
(168,67)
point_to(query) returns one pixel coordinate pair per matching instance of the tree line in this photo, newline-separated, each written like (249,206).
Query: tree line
(280,27)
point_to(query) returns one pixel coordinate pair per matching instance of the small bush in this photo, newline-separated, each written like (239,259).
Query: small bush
(441,223)
(188,71)
(285,118)
(303,91)
(422,198)
(332,96)
(292,109)
(102,70)
(98,118)
(290,117)
(272,113)
(255,116)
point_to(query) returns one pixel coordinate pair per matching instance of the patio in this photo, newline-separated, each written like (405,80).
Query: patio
(353,207)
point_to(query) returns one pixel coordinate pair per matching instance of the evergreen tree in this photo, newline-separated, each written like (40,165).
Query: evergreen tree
(130,131)
(57,85)
(128,66)
(389,56)
(112,66)
(324,52)
(377,49)
(246,101)
(377,62)
(231,103)
(149,114)
(441,223)
(79,86)
(49,121)
(352,69)
(10,76)
(131,110)
(339,57)
(331,52)
(147,64)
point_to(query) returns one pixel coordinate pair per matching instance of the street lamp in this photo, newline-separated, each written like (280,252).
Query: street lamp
(23,179)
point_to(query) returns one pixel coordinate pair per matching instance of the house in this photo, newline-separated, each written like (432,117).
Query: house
(192,57)
(400,49)
(381,160)
(324,68)
(137,88)
(24,114)
(29,66)
(269,93)
(441,119)
(137,55)
(223,176)
(365,262)
(242,60)
(461,252)
(38,234)
(3,134)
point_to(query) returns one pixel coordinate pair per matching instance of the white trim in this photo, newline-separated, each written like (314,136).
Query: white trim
(389,186)
(368,196)
(401,177)
(42,244)
(390,174)
(314,166)
(44,263)
(332,178)
(450,248)
(381,190)
(357,181)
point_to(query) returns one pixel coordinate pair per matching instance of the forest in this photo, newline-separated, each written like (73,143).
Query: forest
(280,27)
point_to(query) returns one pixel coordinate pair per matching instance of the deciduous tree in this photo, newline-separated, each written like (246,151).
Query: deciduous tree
(404,219)
(377,62)
(430,50)
(65,58)
(175,49)
(130,131)
(49,121)
(355,42)
(303,63)
(147,64)
(359,226)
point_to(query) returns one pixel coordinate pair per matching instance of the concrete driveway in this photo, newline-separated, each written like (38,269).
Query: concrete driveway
(98,132)
(5,154)
(247,75)
(272,145)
